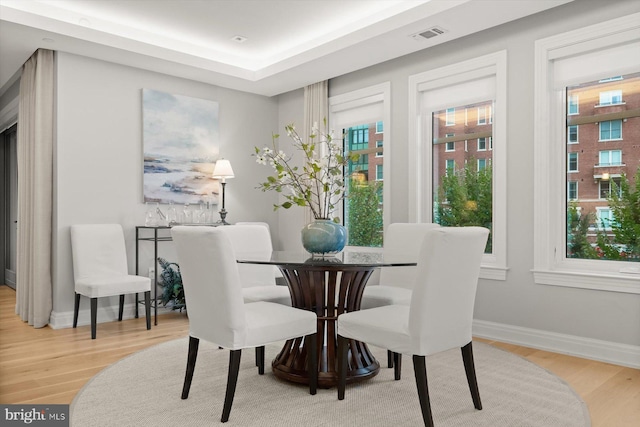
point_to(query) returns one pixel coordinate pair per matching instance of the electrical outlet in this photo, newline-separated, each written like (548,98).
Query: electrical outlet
(152,273)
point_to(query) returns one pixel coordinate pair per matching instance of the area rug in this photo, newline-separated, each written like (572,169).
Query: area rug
(144,390)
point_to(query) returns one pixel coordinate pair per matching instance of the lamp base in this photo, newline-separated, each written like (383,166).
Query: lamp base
(223,215)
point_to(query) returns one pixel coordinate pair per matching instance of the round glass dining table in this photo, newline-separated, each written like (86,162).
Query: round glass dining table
(328,286)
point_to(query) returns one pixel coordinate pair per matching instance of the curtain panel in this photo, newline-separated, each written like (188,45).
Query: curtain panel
(35,180)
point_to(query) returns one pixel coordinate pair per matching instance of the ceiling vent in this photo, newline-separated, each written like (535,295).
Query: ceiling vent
(430,33)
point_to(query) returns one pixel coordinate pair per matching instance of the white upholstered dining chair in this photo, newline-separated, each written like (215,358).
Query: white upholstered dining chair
(100,269)
(218,314)
(438,318)
(258,281)
(395,283)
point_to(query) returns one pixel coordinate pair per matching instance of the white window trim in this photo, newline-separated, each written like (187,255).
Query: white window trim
(551,267)
(494,266)
(363,98)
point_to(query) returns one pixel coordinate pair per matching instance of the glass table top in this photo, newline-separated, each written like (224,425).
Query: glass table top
(345,258)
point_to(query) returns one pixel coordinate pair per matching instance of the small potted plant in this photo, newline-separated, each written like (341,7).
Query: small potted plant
(171,282)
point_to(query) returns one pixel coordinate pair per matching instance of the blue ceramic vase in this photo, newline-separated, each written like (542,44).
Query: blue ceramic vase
(324,237)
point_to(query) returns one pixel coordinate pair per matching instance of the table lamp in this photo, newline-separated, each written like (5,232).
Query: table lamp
(222,171)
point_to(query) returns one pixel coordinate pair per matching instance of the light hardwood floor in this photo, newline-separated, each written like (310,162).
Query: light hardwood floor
(47,366)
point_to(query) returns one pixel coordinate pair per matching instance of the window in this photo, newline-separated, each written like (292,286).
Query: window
(570,76)
(572,104)
(451,117)
(482,115)
(572,162)
(379,173)
(610,158)
(572,190)
(451,146)
(461,197)
(605,218)
(379,144)
(611,97)
(572,134)
(364,116)
(610,130)
(606,187)
(476,86)
(450,167)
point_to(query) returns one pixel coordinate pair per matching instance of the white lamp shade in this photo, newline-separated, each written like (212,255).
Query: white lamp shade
(223,169)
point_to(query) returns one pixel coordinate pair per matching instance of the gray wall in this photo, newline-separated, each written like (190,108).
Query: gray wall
(98,154)
(516,302)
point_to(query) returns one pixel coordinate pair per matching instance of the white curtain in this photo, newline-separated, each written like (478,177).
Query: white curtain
(316,111)
(35,180)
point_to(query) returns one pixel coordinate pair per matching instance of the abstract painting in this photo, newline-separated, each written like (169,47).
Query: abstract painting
(180,139)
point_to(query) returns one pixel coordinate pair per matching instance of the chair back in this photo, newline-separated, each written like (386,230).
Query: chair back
(98,250)
(403,239)
(252,239)
(443,297)
(211,285)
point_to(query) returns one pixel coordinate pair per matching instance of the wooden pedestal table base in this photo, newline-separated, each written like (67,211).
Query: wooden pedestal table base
(328,291)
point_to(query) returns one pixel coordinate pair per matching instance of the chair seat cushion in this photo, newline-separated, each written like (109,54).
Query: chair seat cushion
(276,294)
(268,322)
(105,286)
(386,327)
(379,296)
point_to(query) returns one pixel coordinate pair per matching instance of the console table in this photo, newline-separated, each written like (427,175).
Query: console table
(155,238)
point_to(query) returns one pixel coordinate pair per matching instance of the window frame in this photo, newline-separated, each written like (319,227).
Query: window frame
(551,266)
(493,67)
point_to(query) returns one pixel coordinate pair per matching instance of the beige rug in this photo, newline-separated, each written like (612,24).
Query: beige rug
(144,390)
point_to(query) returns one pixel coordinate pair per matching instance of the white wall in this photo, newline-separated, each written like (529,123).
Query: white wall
(98,157)
(572,320)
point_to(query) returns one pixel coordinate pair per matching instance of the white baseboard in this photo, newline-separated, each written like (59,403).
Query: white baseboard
(10,278)
(588,348)
(64,319)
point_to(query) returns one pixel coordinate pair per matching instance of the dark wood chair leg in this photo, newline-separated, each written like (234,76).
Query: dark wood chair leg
(232,380)
(137,306)
(313,363)
(76,309)
(94,317)
(120,308)
(397,365)
(260,359)
(343,344)
(147,307)
(420,368)
(470,370)
(191,365)
(389,359)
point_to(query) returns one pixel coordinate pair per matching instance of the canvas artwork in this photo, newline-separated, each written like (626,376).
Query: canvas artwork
(180,139)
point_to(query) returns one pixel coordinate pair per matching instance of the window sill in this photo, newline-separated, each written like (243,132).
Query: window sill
(611,282)
(493,273)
